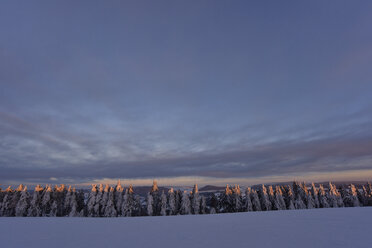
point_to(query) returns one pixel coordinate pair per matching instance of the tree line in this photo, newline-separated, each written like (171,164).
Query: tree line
(107,201)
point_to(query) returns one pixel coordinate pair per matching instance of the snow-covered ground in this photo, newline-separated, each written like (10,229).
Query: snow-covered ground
(346,227)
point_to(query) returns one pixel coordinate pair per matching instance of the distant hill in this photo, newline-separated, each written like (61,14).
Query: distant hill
(143,190)
(211,188)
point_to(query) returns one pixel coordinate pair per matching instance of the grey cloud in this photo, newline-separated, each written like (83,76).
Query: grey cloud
(180,89)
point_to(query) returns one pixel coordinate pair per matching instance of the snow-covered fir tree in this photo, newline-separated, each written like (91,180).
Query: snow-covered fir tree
(156,199)
(97,205)
(128,202)
(279,200)
(67,202)
(110,209)
(299,195)
(353,196)
(138,211)
(35,204)
(92,201)
(274,203)
(310,201)
(264,197)
(367,195)
(104,199)
(163,210)
(314,193)
(149,204)
(237,200)
(334,197)
(203,205)
(73,206)
(178,198)
(15,197)
(5,209)
(172,202)
(23,203)
(213,205)
(247,200)
(59,195)
(195,200)
(119,196)
(323,199)
(226,201)
(256,203)
(289,197)
(46,202)
(185,205)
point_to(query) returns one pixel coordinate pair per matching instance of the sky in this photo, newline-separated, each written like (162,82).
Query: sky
(207,92)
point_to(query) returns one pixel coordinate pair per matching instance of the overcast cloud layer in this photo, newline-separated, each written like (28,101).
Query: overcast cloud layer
(93,90)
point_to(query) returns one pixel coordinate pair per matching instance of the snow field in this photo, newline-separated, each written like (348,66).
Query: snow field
(332,227)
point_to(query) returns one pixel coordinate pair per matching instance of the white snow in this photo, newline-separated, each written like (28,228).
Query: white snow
(341,227)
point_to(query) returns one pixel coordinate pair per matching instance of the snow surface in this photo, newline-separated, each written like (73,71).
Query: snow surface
(343,227)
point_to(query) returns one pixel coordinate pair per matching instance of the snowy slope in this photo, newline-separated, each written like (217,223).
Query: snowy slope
(346,227)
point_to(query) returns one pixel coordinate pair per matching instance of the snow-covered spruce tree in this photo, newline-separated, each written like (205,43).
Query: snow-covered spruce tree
(274,203)
(237,199)
(110,209)
(323,199)
(306,196)
(149,204)
(67,202)
(178,199)
(98,202)
(310,201)
(81,201)
(195,200)
(156,200)
(334,197)
(362,197)
(35,204)
(203,205)
(163,210)
(128,202)
(185,205)
(214,204)
(299,195)
(138,211)
(23,203)
(172,202)
(279,200)
(226,201)
(73,206)
(349,196)
(46,202)
(314,193)
(5,206)
(289,197)
(119,196)
(91,201)
(104,199)
(256,204)
(366,189)
(15,197)
(59,195)
(264,199)
(247,200)
(353,194)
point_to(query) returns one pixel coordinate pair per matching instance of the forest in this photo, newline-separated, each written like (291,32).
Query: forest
(117,201)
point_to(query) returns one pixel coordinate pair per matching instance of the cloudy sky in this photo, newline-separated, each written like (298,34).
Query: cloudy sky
(185,91)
